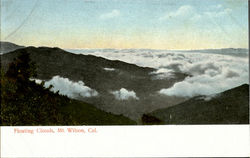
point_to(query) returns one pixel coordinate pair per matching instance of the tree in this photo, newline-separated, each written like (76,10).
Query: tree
(23,102)
(22,68)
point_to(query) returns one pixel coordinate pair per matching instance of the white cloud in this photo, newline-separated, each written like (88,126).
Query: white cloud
(38,81)
(209,73)
(108,69)
(113,14)
(209,78)
(188,12)
(69,88)
(124,94)
(218,14)
(162,74)
(209,97)
(182,12)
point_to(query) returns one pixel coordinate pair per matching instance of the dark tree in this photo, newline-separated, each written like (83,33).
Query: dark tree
(22,68)
(23,102)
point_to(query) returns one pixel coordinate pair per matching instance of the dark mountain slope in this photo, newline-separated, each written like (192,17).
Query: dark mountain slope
(90,69)
(39,106)
(6,47)
(87,114)
(54,61)
(229,107)
(23,102)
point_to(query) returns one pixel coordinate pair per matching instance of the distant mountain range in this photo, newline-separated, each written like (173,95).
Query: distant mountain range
(240,52)
(112,77)
(6,47)
(229,107)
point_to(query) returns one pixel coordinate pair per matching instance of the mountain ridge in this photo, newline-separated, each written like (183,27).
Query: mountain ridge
(6,47)
(228,107)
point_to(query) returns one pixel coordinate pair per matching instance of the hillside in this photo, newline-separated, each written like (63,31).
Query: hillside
(229,107)
(23,102)
(105,76)
(87,114)
(60,110)
(6,47)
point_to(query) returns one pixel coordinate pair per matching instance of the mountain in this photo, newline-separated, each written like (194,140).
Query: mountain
(107,77)
(6,47)
(87,114)
(228,107)
(239,52)
(24,102)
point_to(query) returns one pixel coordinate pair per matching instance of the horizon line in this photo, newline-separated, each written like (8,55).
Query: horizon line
(129,48)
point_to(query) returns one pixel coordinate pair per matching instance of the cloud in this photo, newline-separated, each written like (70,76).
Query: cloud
(108,69)
(182,12)
(113,14)
(209,73)
(209,78)
(162,74)
(38,81)
(124,94)
(188,12)
(218,14)
(69,88)
(209,97)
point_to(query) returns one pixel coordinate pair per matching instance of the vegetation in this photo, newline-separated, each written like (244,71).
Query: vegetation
(228,107)
(23,102)
(150,120)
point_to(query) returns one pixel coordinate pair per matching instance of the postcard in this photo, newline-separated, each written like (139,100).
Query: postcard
(124,78)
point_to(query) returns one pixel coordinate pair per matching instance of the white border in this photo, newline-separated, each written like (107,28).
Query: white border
(129,141)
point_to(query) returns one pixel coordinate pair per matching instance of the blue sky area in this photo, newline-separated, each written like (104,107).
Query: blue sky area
(155,24)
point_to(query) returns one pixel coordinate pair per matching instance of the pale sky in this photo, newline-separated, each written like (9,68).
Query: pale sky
(154,24)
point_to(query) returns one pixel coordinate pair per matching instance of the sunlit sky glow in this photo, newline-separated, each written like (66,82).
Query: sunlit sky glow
(155,24)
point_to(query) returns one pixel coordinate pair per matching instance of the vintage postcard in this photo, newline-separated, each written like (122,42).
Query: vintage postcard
(83,66)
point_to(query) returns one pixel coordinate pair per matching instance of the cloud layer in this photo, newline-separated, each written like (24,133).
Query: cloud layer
(69,88)
(208,73)
(124,94)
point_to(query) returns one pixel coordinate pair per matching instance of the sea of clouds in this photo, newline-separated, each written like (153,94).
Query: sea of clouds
(68,87)
(209,73)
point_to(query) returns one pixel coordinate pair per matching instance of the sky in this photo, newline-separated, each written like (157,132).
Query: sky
(153,24)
